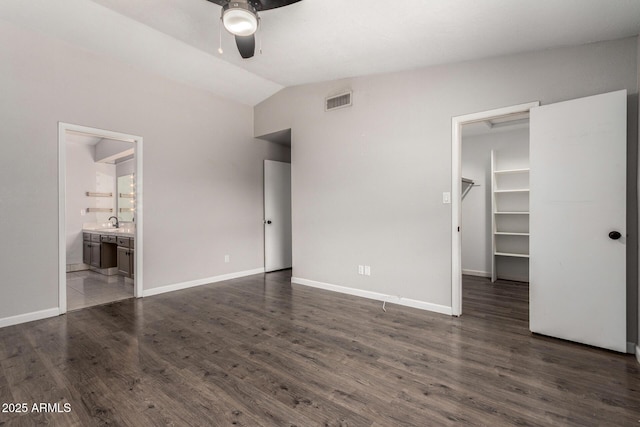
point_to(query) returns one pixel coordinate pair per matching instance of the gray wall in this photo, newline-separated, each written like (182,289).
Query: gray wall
(202,166)
(367,181)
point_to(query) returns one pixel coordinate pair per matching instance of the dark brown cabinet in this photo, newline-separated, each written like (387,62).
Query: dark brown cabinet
(86,248)
(96,253)
(126,263)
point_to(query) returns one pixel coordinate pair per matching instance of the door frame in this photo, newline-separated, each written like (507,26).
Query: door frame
(456,190)
(63,128)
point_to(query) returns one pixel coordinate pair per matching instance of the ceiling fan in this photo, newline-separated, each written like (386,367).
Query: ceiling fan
(240,18)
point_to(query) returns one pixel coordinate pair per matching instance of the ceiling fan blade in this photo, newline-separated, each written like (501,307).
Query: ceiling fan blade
(219,2)
(272,4)
(246,45)
(260,5)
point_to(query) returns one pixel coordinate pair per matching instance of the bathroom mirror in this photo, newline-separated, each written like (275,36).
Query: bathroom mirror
(126,197)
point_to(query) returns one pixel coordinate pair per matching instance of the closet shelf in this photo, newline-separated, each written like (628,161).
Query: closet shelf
(517,190)
(509,192)
(511,254)
(523,170)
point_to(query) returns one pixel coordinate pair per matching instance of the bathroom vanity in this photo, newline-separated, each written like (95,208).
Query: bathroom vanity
(109,252)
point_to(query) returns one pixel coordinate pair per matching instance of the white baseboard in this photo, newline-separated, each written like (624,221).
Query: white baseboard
(375,296)
(638,354)
(77,267)
(111,271)
(476,273)
(514,278)
(29,317)
(199,282)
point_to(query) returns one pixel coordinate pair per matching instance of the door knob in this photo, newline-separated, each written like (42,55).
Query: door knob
(268,221)
(615,235)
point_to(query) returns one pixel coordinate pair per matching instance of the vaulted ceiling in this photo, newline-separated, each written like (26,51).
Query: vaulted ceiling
(318,40)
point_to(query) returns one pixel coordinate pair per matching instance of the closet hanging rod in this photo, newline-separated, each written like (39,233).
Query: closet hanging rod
(470,183)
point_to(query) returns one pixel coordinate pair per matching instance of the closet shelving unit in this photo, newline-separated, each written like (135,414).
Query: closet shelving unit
(509,212)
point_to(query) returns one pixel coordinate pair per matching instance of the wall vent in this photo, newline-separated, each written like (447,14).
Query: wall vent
(337,101)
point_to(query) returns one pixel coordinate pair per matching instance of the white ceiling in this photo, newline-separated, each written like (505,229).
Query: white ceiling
(79,138)
(318,40)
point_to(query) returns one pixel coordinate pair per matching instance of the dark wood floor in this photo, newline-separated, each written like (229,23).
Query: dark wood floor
(259,351)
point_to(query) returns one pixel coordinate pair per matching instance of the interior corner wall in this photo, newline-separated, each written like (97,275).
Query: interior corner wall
(202,176)
(126,168)
(476,206)
(367,181)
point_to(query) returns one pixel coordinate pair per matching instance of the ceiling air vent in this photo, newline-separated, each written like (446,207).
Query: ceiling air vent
(337,101)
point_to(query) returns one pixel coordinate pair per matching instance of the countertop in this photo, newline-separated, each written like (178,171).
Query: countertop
(121,232)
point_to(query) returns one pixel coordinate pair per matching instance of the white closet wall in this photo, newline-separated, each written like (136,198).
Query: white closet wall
(512,142)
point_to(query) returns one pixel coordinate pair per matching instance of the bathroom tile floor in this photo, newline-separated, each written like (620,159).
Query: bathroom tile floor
(88,288)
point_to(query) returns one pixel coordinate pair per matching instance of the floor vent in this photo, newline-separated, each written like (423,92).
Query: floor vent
(337,101)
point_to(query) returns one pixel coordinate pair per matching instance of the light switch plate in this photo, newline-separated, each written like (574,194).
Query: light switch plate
(367,270)
(446,197)
(361,269)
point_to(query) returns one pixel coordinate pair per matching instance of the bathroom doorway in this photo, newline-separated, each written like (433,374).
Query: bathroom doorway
(100,216)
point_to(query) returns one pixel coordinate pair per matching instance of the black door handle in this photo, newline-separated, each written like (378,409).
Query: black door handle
(268,221)
(615,235)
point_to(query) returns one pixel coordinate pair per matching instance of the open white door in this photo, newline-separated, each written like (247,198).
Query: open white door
(277,215)
(578,205)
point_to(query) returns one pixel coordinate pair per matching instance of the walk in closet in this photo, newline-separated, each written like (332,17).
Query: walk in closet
(495,202)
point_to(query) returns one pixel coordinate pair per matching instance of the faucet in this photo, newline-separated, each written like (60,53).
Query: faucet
(117,224)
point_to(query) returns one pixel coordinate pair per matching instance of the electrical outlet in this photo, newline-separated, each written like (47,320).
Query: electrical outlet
(361,269)
(227,258)
(83,212)
(367,270)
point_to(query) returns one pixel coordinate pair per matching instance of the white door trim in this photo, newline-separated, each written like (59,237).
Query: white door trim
(456,188)
(63,128)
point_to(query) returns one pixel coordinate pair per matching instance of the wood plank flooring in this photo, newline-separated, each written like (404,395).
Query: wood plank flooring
(259,351)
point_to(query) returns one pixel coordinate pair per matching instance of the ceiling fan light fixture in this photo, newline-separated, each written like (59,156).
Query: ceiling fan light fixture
(240,18)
